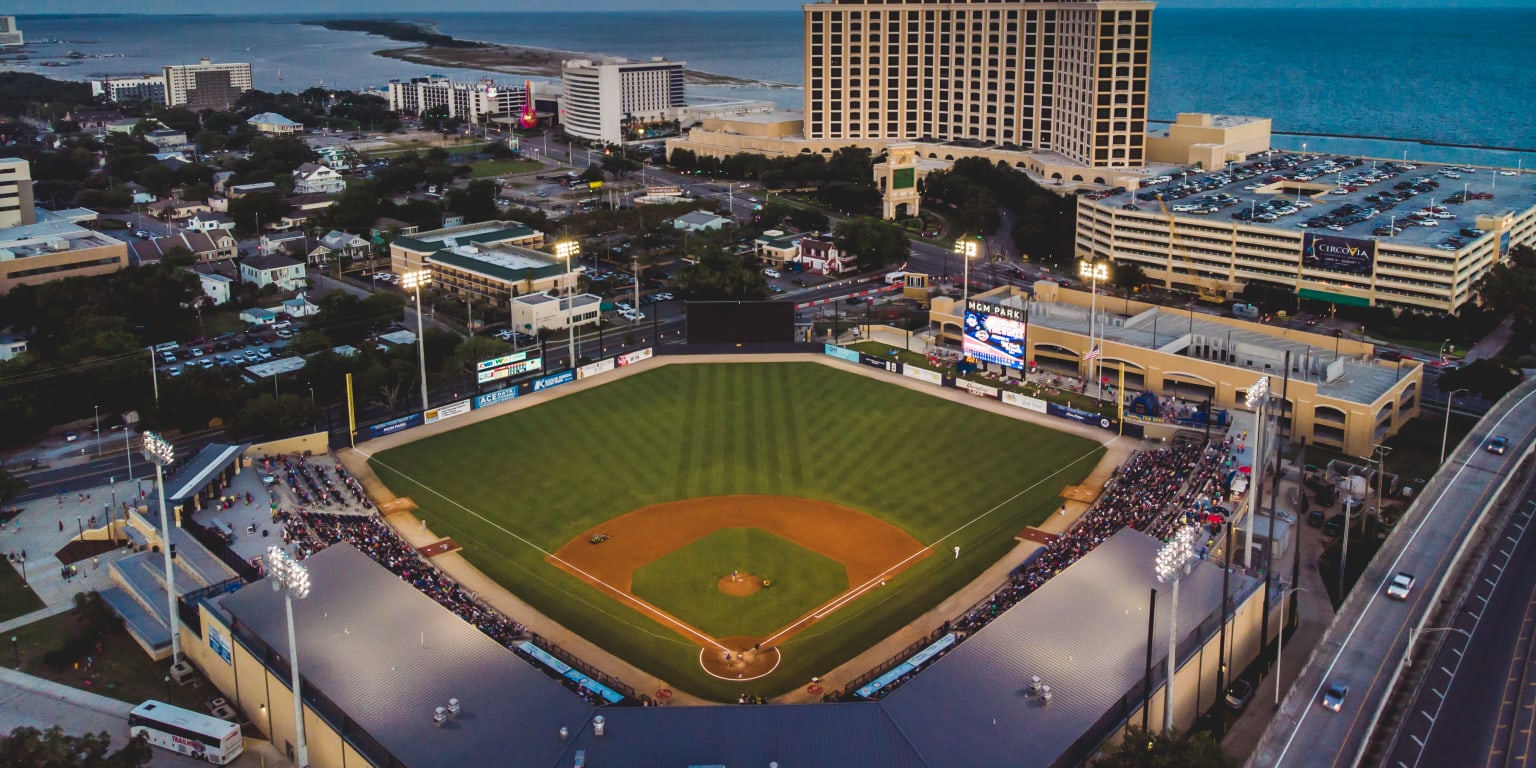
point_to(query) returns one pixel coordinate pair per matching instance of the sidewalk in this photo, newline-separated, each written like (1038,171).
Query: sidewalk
(45,526)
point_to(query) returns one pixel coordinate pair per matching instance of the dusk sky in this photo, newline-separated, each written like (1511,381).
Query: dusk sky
(422,7)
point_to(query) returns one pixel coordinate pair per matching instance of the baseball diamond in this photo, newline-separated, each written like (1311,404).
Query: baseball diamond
(626,512)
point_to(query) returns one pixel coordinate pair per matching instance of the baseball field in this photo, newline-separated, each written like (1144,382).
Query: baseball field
(737,527)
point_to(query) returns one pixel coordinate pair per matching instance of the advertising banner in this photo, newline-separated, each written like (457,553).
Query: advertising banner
(1338,254)
(1082,417)
(995,333)
(841,353)
(447,411)
(879,362)
(630,358)
(1025,401)
(392,426)
(976,389)
(593,369)
(492,398)
(548,382)
(922,374)
(507,366)
(220,644)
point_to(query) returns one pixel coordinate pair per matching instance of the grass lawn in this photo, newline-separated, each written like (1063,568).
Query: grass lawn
(119,670)
(16,598)
(515,488)
(685,582)
(486,168)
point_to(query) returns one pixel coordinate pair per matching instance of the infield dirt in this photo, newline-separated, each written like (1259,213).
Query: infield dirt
(871,549)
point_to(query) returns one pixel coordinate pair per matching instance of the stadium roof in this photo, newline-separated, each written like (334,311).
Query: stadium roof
(388,669)
(1084,633)
(190,478)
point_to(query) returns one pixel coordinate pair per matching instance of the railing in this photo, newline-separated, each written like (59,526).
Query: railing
(586,669)
(215,544)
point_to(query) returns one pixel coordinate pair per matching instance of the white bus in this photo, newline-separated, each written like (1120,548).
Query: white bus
(187,732)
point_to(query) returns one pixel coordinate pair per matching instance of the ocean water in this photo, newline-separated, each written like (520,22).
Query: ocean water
(1441,75)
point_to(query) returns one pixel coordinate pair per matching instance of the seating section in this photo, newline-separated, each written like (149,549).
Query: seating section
(147,629)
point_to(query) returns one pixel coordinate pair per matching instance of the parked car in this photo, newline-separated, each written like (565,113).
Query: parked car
(1400,586)
(1333,698)
(1334,527)
(1315,518)
(1238,694)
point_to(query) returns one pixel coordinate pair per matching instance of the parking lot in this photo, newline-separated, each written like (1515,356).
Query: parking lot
(232,350)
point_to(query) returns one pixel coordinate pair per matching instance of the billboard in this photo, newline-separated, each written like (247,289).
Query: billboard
(392,426)
(630,358)
(593,369)
(506,366)
(995,333)
(446,411)
(740,322)
(492,398)
(1338,254)
(563,377)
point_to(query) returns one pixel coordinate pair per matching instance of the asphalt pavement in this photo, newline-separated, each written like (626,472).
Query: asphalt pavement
(1367,642)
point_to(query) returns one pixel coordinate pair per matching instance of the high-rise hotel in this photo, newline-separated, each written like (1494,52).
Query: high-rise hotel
(1064,76)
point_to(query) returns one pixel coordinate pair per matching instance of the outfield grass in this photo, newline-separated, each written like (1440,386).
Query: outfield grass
(515,488)
(487,168)
(685,583)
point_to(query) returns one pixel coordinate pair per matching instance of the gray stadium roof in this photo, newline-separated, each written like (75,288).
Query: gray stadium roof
(387,655)
(1084,633)
(192,476)
(361,634)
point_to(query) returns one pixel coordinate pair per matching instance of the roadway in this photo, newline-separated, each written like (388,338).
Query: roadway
(1474,706)
(1367,641)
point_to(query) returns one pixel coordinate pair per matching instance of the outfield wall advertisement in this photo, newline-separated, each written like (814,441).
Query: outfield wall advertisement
(392,426)
(995,333)
(550,382)
(447,411)
(841,353)
(630,358)
(493,398)
(593,369)
(1338,254)
(506,366)
(922,374)
(1025,401)
(976,389)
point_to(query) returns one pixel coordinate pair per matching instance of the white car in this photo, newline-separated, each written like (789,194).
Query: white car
(632,314)
(1401,585)
(773,273)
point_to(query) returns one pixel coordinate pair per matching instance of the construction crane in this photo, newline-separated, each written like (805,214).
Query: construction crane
(1206,289)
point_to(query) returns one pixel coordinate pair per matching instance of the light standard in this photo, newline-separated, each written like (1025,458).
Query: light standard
(1280,647)
(1445,431)
(967,249)
(1173,562)
(566,249)
(1258,396)
(414,281)
(292,579)
(160,452)
(1093,271)
(1443,345)
(1415,632)
(96,409)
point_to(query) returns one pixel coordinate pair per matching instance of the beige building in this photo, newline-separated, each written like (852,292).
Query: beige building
(16,205)
(50,250)
(1068,77)
(535,311)
(599,96)
(206,85)
(489,260)
(1198,140)
(468,101)
(1339,395)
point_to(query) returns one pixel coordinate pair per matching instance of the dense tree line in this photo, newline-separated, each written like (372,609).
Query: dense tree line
(842,182)
(1044,222)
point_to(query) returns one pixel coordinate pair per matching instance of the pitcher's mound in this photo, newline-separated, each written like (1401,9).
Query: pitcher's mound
(740,584)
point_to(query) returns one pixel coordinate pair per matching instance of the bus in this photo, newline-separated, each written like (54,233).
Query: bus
(187,732)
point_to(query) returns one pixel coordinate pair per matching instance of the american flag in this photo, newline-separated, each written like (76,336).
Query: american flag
(1093,354)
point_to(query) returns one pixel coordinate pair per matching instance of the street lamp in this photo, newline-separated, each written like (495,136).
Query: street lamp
(1093,271)
(1258,397)
(414,281)
(1280,647)
(566,249)
(1415,632)
(1173,563)
(1445,431)
(161,453)
(96,409)
(292,579)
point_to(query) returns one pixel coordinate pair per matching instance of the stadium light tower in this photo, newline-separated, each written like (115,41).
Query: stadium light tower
(967,248)
(566,249)
(1258,397)
(1173,562)
(292,579)
(414,280)
(161,453)
(1094,272)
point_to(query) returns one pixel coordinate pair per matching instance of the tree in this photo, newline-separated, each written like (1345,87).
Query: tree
(11,486)
(876,243)
(1509,289)
(275,417)
(592,173)
(1129,276)
(719,275)
(1486,378)
(254,211)
(476,202)
(30,748)
(1169,749)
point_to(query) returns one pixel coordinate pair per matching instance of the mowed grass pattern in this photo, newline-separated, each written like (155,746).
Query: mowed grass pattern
(686,582)
(514,488)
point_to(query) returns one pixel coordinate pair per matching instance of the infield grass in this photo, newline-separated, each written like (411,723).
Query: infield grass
(685,583)
(515,488)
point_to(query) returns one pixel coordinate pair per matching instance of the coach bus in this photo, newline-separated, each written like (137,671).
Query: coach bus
(187,732)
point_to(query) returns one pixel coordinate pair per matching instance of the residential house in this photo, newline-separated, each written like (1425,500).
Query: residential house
(166,138)
(775,248)
(273,124)
(316,178)
(384,226)
(699,221)
(93,120)
(170,210)
(298,306)
(215,245)
(221,180)
(11,346)
(241,190)
(209,221)
(339,245)
(273,269)
(284,243)
(126,125)
(141,195)
(821,256)
(218,279)
(218,203)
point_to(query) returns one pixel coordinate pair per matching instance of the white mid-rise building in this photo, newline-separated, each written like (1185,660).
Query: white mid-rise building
(128,89)
(469,101)
(10,34)
(601,95)
(206,85)
(16,194)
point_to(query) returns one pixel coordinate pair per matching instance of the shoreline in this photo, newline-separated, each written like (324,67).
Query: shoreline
(541,62)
